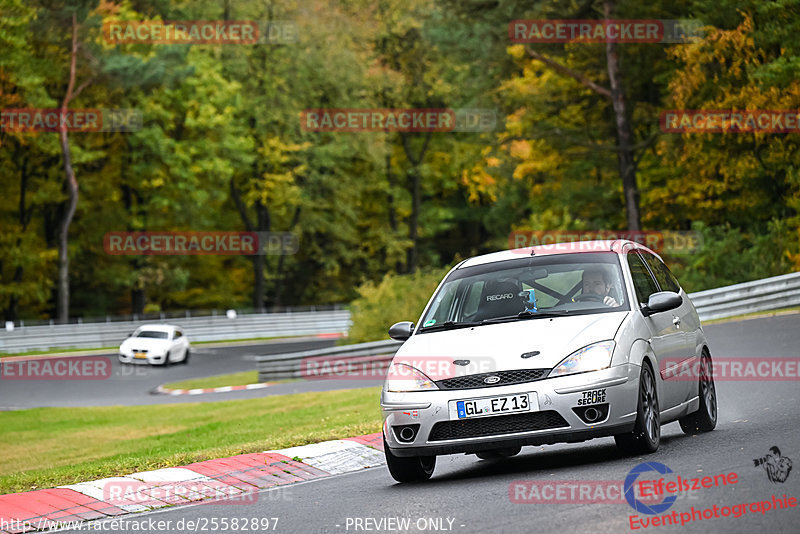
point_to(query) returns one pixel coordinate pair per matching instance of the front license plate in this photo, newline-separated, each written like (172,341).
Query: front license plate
(465,409)
(140,355)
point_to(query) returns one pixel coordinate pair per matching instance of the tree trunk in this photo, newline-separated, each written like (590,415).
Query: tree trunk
(62,301)
(414,179)
(627,165)
(258,259)
(413,221)
(281,260)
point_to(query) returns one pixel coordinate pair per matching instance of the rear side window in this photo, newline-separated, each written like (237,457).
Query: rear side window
(643,283)
(663,275)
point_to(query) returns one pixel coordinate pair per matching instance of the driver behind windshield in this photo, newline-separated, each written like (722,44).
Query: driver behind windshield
(597,281)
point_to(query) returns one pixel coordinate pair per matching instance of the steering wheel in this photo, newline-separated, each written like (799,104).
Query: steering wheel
(590,297)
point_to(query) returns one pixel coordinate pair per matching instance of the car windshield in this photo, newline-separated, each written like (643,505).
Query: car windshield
(155,334)
(528,288)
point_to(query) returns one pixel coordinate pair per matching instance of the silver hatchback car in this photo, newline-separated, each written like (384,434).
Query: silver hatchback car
(553,343)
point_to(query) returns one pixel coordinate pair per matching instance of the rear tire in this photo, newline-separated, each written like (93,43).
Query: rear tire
(186,357)
(412,469)
(497,454)
(705,418)
(646,434)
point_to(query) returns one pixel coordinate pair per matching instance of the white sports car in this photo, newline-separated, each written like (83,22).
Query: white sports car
(156,344)
(554,343)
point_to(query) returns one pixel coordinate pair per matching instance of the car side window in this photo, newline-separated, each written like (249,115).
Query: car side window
(178,334)
(643,282)
(665,278)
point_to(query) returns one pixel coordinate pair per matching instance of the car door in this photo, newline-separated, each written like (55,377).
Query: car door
(180,344)
(666,339)
(682,317)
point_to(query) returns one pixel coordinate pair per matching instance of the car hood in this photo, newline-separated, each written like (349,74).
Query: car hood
(498,347)
(145,343)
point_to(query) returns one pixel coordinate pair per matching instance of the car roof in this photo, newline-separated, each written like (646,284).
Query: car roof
(158,327)
(615,246)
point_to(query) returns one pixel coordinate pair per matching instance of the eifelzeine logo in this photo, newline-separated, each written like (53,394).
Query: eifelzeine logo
(729,121)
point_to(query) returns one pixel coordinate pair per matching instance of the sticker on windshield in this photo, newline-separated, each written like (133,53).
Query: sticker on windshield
(430,322)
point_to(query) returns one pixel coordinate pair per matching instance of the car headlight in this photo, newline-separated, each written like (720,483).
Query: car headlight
(590,358)
(402,377)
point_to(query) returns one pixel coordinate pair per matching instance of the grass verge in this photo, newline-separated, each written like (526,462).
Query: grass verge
(58,352)
(233,379)
(47,447)
(754,315)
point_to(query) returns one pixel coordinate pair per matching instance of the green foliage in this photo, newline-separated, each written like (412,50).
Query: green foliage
(730,256)
(395,298)
(221,147)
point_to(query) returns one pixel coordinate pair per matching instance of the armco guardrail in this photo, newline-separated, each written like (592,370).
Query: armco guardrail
(761,295)
(362,360)
(210,328)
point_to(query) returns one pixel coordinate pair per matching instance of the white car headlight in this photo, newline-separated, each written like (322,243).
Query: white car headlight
(590,358)
(402,377)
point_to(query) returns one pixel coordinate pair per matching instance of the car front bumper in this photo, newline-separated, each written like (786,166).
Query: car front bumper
(152,359)
(555,421)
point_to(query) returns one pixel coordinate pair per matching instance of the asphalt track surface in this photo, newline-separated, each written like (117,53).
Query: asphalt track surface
(132,384)
(754,416)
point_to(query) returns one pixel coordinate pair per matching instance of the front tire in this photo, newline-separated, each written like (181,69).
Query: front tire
(705,418)
(646,434)
(165,363)
(413,469)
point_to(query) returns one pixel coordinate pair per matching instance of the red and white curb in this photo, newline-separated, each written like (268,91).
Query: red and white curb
(200,391)
(233,480)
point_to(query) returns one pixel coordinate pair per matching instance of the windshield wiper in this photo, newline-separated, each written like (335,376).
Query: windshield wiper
(448,325)
(527,314)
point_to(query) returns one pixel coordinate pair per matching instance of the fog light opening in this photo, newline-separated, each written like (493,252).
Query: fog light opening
(592,414)
(406,433)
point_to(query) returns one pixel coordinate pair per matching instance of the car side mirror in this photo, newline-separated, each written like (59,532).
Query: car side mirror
(401,331)
(661,302)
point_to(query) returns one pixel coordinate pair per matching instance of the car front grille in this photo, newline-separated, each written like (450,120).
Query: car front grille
(519,376)
(492,426)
